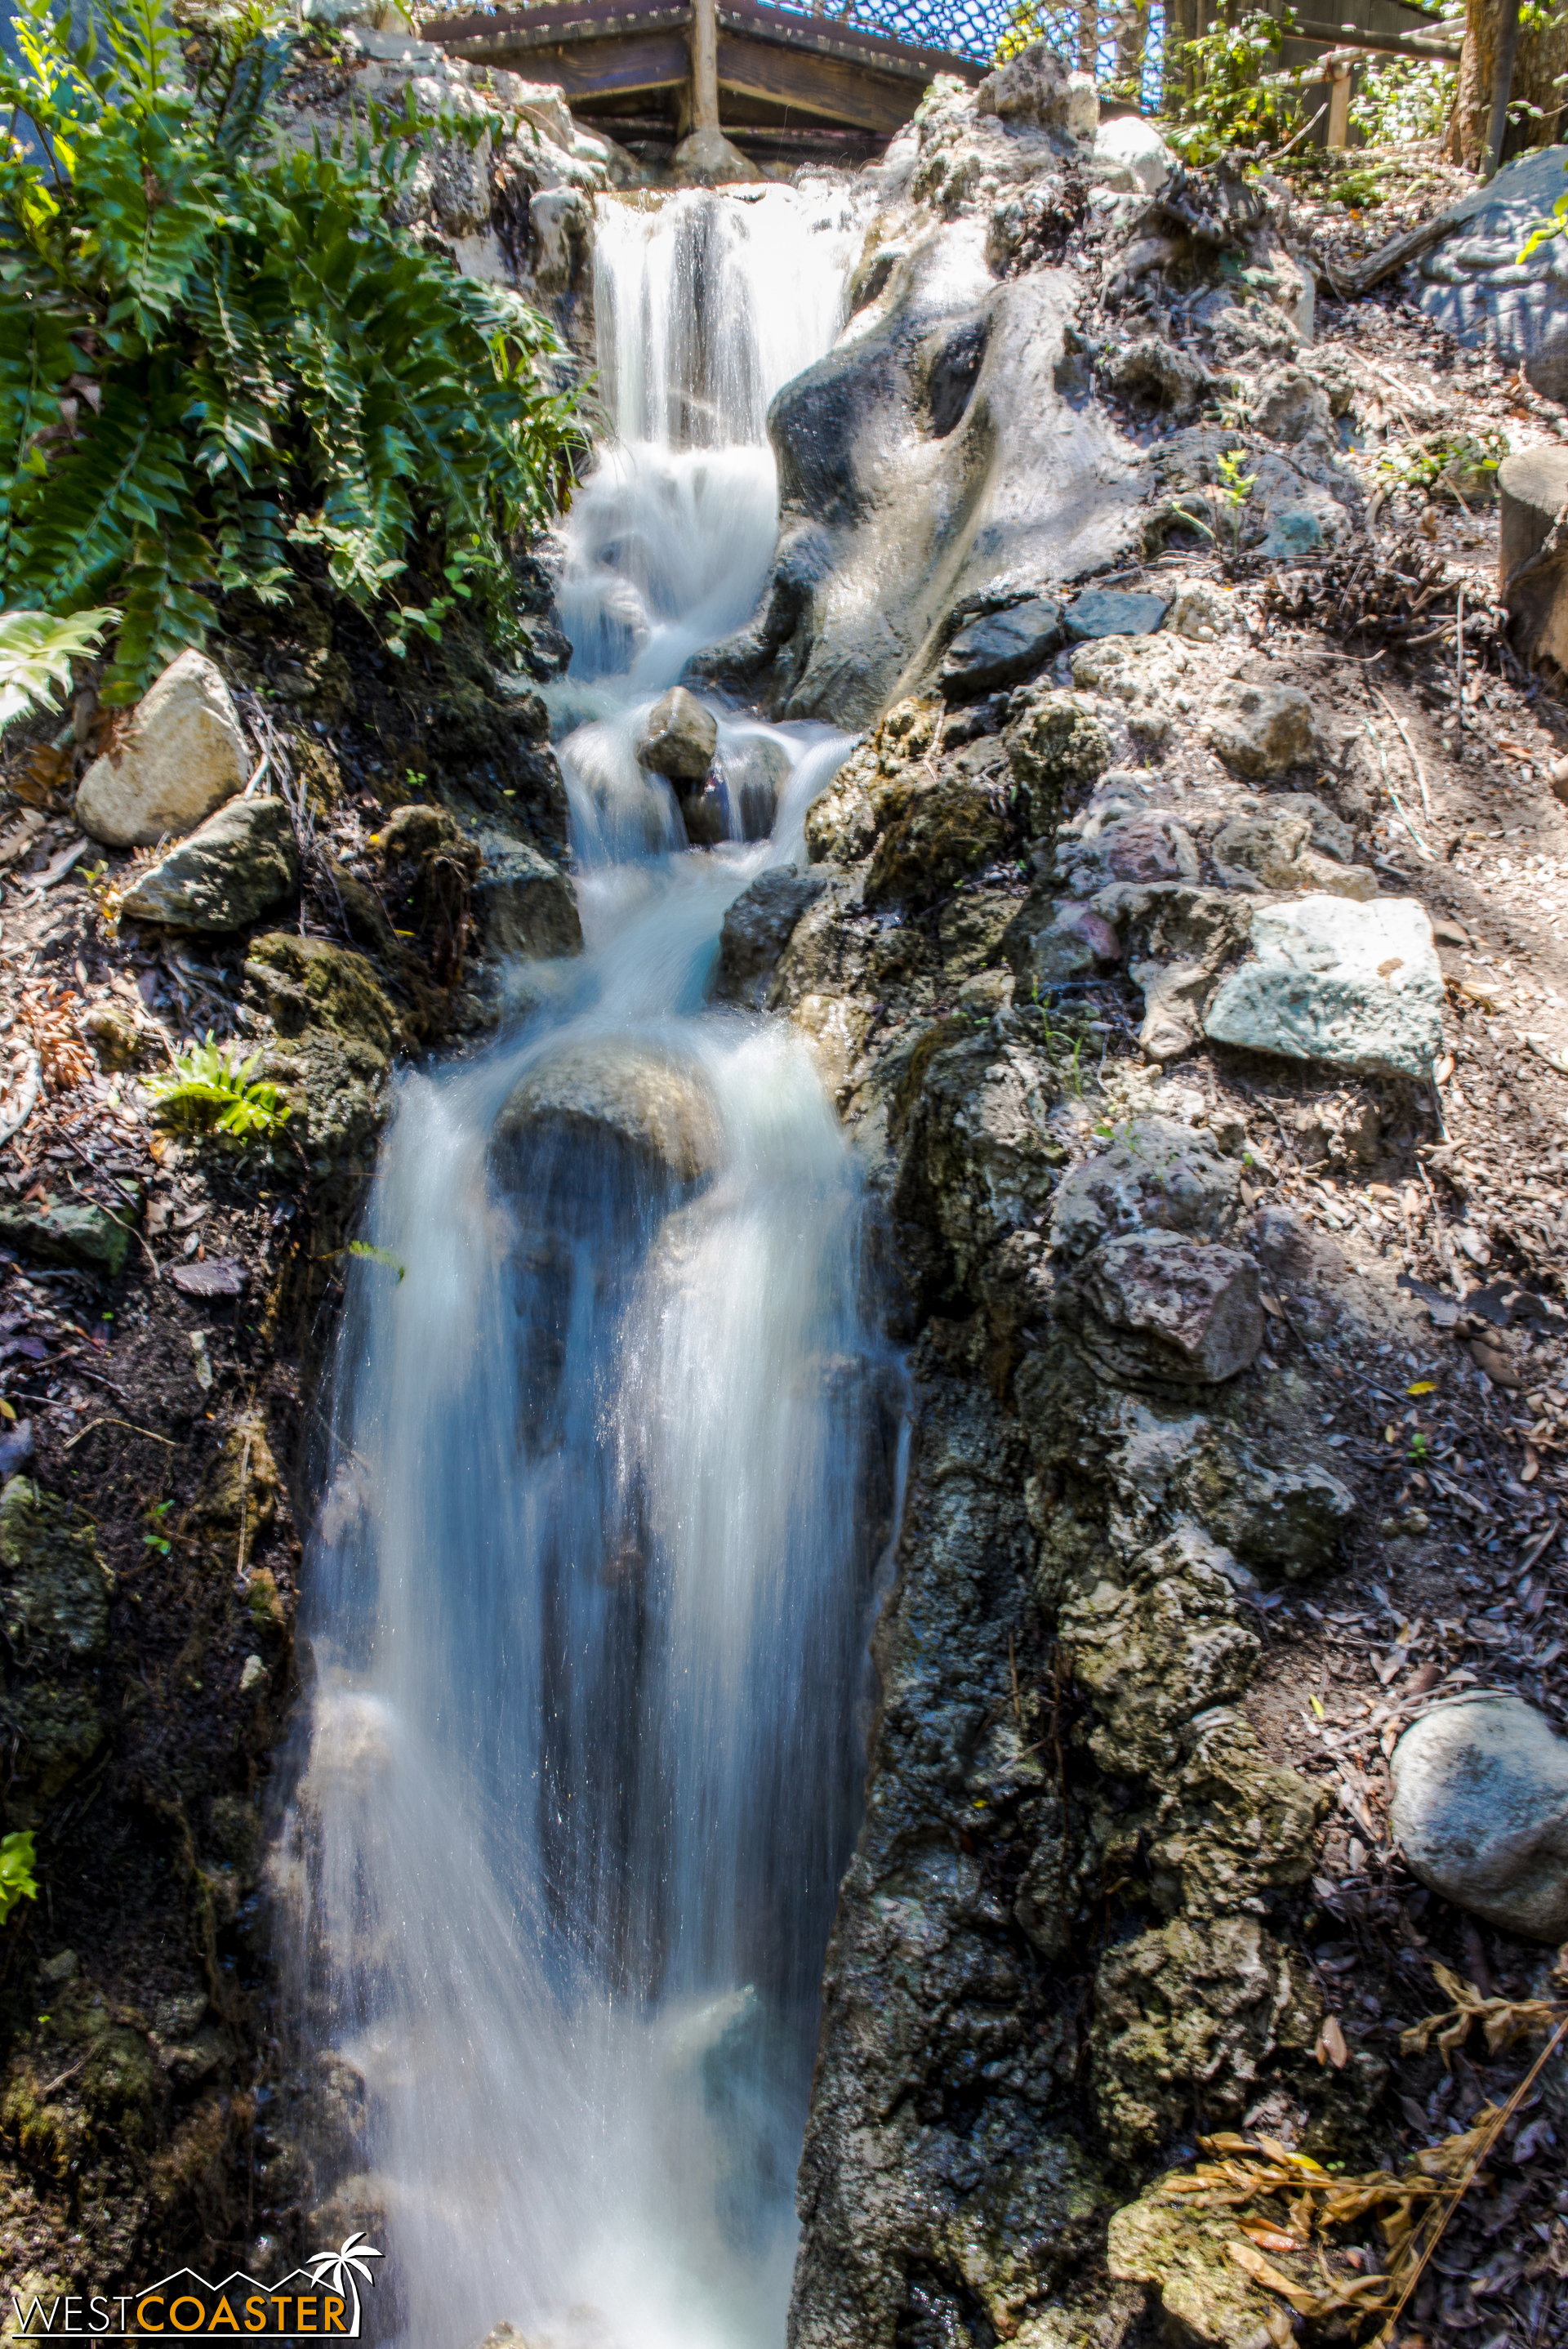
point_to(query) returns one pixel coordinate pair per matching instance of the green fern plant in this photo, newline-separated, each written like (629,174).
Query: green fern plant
(37,653)
(216,349)
(18,1861)
(208,1091)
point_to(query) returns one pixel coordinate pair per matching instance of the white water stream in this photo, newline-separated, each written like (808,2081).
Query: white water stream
(614,1464)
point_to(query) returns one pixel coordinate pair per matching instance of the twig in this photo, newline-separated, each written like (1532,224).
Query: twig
(151,1434)
(1307,128)
(1415,761)
(1422,851)
(245,1479)
(68,2073)
(1460,654)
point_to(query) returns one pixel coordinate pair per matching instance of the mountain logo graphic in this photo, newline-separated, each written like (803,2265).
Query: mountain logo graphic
(318,2300)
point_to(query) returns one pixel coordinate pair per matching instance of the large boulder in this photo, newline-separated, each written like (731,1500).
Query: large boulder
(609,1104)
(184,756)
(1356,987)
(1263,730)
(1480,1809)
(524,905)
(227,872)
(679,737)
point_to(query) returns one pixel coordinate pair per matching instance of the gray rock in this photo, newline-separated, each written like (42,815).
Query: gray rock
(1158,1304)
(1532,489)
(1356,987)
(679,737)
(1050,939)
(1473,284)
(756,769)
(524,905)
(15,1448)
(1202,610)
(1155,1175)
(756,929)
(1269,847)
(610,1102)
(184,756)
(54,1603)
(1130,156)
(1480,1808)
(1108,612)
(1263,730)
(1151,370)
(92,1238)
(1000,648)
(1290,406)
(1293,531)
(227,872)
(1035,92)
(1288,1518)
(1055,743)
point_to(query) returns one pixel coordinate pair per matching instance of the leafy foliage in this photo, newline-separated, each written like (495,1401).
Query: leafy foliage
(215,348)
(207,1092)
(1401,101)
(1238,97)
(18,1881)
(37,653)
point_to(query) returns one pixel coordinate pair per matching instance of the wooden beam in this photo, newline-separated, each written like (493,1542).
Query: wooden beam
(567,20)
(705,66)
(855,44)
(616,66)
(809,83)
(1339,109)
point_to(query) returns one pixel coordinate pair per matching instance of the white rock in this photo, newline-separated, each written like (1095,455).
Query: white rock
(1480,1807)
(1083,107)
(184,756)
(1201,611)
(1356,987)
(1130,156)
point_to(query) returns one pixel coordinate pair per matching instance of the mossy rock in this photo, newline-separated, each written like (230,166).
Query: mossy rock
(55,1593)
(948,830)
(1057,743)
(309,983)
(1206,2298)
(340,1029)
(243,1482)
(56,1727)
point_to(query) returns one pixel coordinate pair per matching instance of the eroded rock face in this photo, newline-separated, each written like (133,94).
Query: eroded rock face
(184,755)
(54,1608)
(337,1032)
(1480,1810)
(230,871)
(1155,1175)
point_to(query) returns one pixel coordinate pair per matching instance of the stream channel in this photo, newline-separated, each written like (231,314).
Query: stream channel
(615,1469)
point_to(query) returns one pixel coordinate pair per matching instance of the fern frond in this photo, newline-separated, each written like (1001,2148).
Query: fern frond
(35,656)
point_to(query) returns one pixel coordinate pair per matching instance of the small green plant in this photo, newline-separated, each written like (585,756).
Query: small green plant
(1420,1451)
(18,1861)
(376,1256)
(1400,101)
(1236,95)
(37,653)
(1234,485)
(157,1540)
(1461,467)
(208,1092)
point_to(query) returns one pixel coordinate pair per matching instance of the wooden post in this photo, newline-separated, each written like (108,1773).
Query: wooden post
(704,65)
(1339,109)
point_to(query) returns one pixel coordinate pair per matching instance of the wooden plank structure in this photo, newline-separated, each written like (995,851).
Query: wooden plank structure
(775,78)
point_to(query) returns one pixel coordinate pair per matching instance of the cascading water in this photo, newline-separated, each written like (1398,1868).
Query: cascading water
(615,1458)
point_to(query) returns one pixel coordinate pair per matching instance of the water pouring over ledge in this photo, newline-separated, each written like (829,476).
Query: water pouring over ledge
(616,1460)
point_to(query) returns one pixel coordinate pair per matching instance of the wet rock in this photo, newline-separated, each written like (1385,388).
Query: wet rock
(337,1032)
(1354,986)
(227,872)
(56,1594)
(1130,156)
(524,905)
(1150,372)
(1154,1649)
(1263,730)
(756,929)
(184,756)
(1000,648)
(980,1153)
(1269,847)
(1156,1175)
(1192,2016)
(1290,406)
(1055,743)
(1480,1810)
(73,1232)
(755,769)
(708,814)
(428,867)
(1049,940)
(939,831)
(679,737)
(1110,612)
(841,824)
(611,1101)
(1164,1307)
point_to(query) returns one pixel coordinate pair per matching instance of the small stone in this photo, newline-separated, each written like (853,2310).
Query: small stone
(1201,611)
(115,1034)
(59,1970)
(1293,532)
(1480,1810)
(15,1448)
(1356,987)
(93,1238)
(1290,407)
(1050,940)
(679,737)
(1000,648)
(184,756)
(1193,1311)
(226,874)
(252,1675)
(1269,847)
(1107,612)
(1032,90)
(1263,730)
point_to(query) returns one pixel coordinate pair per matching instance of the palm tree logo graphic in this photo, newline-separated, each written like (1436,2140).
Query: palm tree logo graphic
(343,2270)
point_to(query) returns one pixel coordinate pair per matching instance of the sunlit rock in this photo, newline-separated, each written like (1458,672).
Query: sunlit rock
(184,756)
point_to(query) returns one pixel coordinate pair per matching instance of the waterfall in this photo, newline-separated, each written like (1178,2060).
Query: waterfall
(614,1461)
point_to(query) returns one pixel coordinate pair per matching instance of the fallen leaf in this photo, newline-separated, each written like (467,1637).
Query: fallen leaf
(1331,2046)
(1268,2237)
(1423,1386)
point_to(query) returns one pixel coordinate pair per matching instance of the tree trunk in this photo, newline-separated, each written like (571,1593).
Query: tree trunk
(1541,56)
